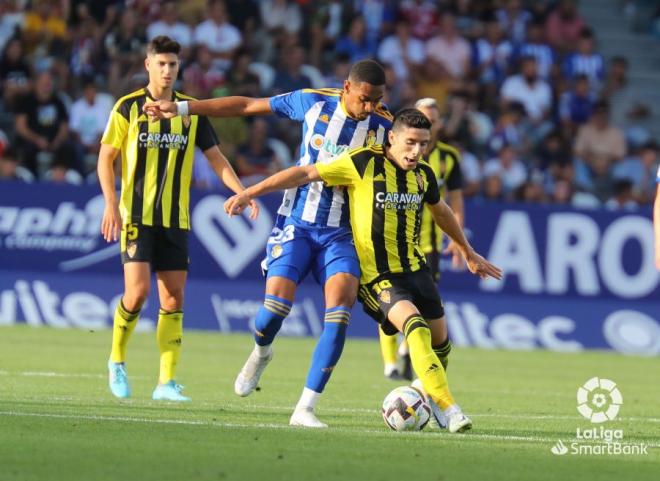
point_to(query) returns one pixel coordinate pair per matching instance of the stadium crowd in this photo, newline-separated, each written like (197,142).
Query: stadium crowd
(537,113)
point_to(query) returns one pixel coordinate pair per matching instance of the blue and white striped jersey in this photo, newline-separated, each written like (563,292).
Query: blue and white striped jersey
(327,132)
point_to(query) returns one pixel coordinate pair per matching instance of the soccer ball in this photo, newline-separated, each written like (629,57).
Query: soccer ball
(406,409)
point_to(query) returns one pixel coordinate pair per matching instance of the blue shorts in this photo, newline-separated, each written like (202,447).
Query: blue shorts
(295,248)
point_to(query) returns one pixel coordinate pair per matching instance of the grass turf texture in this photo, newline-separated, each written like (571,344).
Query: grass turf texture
(58,420)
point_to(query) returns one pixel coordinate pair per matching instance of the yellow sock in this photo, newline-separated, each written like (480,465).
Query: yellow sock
(388,347)
(426,363)
(169,334)
(123,325)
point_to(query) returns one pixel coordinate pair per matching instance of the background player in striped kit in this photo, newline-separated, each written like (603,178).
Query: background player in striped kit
(313,231)
(152,213)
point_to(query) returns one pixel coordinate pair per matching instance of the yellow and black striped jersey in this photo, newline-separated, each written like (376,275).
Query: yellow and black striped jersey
(445,161)
(386,204)
(157,160)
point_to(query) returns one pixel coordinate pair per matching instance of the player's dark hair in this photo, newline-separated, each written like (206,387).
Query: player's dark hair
(412,118)
(163,44)
(368,71)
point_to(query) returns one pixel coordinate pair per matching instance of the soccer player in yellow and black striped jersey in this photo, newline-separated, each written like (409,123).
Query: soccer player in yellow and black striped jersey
(444,160)
(152,216)
(387,188)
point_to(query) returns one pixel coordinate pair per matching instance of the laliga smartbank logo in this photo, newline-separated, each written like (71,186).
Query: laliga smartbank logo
(599,401)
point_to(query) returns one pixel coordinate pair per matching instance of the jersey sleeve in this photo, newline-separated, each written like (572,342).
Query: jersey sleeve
(341,171)
(206,136)
(117,127)
(292,105)
(432,194)
(455,177)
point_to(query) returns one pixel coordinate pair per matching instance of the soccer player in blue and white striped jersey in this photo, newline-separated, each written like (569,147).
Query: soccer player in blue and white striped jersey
(312,232)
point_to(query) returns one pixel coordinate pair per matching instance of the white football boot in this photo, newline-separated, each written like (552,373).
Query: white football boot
(305,417)
(249,376)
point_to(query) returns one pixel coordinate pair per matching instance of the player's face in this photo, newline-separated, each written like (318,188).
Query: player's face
(163,69)
(361,99)
(407,144)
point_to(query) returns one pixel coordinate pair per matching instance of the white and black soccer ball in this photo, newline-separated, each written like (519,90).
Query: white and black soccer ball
(406,409)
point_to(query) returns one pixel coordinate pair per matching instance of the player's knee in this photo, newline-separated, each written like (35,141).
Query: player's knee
(135,297)
(172,300)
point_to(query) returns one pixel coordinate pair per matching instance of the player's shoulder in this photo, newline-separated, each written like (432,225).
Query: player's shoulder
(123,104)
(328,93)
(181,96)
(366,153)
(424,166)
(383,113)
(448,149)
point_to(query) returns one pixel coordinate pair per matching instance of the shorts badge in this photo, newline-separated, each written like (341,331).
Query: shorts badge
(131,249)
(385,296)
(276,251)
(186,121)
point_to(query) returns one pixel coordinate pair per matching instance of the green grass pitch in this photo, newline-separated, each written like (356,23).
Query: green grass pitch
(58,421)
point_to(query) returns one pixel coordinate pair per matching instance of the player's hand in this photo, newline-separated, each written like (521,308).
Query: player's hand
(160,109)
(111,223)
(481,267)
(457,261)
(254,209)
(236,204)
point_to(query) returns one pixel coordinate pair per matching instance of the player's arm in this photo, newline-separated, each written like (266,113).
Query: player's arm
(227,175)
(288,178)
(656,225)
(234,106)
(444,217)
(111,223)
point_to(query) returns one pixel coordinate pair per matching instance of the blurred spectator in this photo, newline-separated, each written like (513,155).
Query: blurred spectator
(280,15)
(471,169)
(202,76)
(585,61)
(379,16)
(531,192)
(508,168)
(356,44)
(492,187)
(511,129)
(459,125)
(433,81)
(641,170)
(255,159)
(528,89)
(595,176)
(289,76)
(492,54)
(10,168)
(42,126)
(85,53)
(325,27)
(422,16)
(45,29)
(402,51)
(449,48)
(340,70)
(14,74)
(170,25)
(11,19)
(562,192)
(61,173)
(576,105)
(221,37)
(88,118)
(536,46)
(514,19)
(598,138)
(628,108)
(240,81)
(125,47)
(622,198)
(563,26)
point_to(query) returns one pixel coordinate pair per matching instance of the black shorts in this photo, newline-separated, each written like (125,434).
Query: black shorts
(418,287)
(165,248)
(433,261)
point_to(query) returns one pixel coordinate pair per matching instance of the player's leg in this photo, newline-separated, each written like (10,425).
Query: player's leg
(440,339)
(288,258)
(170,261)
(136,252)
(407,318)
(337,268)
(389,351)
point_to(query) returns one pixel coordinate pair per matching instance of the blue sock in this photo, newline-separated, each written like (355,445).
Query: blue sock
(270,318)
(328,348)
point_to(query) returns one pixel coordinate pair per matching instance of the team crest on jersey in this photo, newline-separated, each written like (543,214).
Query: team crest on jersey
(371,138)
(420,181)
(186,121)
(324,118)
(385,296)
(131,249)
(276,251)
